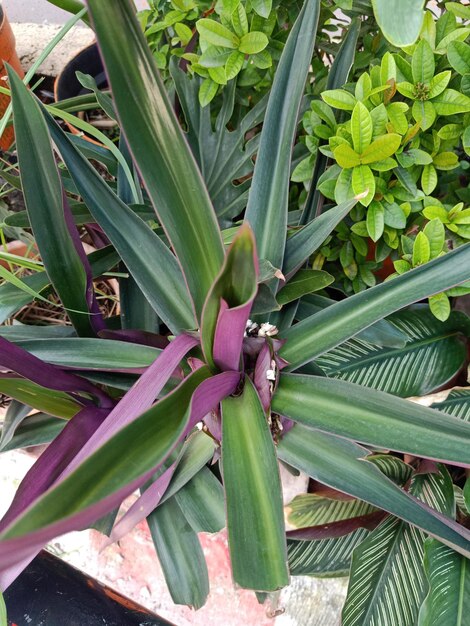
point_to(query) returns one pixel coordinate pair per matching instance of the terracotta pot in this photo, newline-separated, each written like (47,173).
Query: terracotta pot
(20,248)
(387,268)
(7,55)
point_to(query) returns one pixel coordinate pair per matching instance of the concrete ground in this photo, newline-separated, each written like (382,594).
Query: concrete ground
(42,12)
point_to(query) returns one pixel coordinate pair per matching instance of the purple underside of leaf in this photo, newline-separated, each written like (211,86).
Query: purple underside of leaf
(337,529)
(138,399)
(229,333)
(263,364)
(143,506)
(96,317)
(17,360)
(53,461)
(18,550)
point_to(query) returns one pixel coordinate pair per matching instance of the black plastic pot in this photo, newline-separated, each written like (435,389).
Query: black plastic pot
(51,592)
(87,61)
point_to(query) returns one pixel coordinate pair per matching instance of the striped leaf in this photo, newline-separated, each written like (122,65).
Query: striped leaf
(457,403)
(448,600)
(432,355)
(311,510)
(387,580)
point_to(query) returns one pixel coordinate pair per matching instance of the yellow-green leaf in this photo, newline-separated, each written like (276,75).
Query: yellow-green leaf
(361,128)
(345,156)
(363,181)
(381,148)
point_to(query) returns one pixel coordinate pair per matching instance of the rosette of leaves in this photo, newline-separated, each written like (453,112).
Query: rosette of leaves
(219,363)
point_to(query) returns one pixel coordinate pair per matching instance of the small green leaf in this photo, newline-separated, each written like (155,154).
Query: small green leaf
(439,83)
(381,148)
(304,282)
(458,54)
(422,63)
(394,215)
(424,112)
(346,157)
(446,161)
(207,91)
(361,128)
(234,64)
(262,7)
(388,68)
(429,179)
(421,250)
(435,232)
(363,87)
(440,306)
(240,20)
(253,494)
(458,34)
(339,99)
(363,181)
(375,220)
(400,21)
(215,33)
(406,89)
(450,102)
(184,33)
(253,42)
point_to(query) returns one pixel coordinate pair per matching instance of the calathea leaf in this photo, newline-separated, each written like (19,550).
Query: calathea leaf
(390,589)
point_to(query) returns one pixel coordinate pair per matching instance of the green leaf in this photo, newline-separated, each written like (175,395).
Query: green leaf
(432,355)
(399,20)
(35,430)
(439,83)
(346,157)
(435,232)
(202,502)
(424,112)
(458,34)
(375,220)
(262,7)
(458,54)
(207,91)
(429,179)
(421,250)
(363,182)
(446,161)
(309,238)
(52,402)
(413,156)
(42,191)
(3,611)
(339,99)
(381,148)
(361,128)
(234,64)
(155,137)
(448,573)
(394,216)
(332,326)
(450,102)
(253,494)
(440,306)
(216,34)
(305,281)
(309,509)
(165,290)
(342,465)
(253,42)
(268,200)
(372,417)
(422,63)
(240,20)
(152,437)
(236,285)
(387,580)
(180,555)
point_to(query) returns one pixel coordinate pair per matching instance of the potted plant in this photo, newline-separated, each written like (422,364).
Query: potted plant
(244,358)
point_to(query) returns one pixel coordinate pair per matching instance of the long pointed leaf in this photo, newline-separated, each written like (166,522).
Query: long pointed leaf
(372,417)
(55,235)
(150,262)
(268,199)
(253,493)
(343,320)
(157,143)
(341,464)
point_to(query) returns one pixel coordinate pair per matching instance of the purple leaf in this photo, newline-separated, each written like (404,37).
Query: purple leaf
(139,398)
(143,506)
(18,550)
(333,530)
(96,318)
(53,461)
(261,381)
(229,333)
(17,360)
(142,337)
